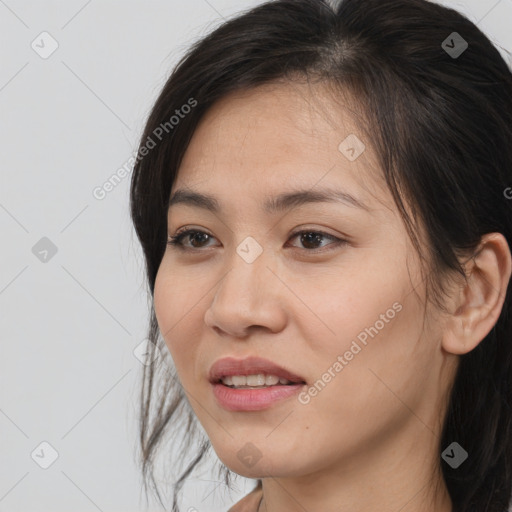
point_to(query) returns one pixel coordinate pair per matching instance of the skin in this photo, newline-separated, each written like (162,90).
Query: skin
(369,439)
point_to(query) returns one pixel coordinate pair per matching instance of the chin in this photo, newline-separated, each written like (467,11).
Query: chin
(276,466)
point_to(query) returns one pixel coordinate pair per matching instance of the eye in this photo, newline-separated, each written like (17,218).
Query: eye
(311,237)
(308,238)
(177,239)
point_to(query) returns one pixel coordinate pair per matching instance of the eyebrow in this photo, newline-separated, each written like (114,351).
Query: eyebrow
(273,205)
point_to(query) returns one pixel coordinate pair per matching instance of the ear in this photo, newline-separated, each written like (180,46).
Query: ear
(476,304)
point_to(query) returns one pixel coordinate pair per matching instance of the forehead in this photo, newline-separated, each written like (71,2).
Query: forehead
(258,142)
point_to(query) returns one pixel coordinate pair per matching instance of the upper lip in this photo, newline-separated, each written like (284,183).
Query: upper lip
(249,366)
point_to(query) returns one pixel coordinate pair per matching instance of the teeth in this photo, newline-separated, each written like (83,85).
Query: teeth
(258,380)
(227,380)
(271,380)
(239,380)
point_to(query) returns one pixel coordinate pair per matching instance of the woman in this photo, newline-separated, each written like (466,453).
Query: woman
(322,194)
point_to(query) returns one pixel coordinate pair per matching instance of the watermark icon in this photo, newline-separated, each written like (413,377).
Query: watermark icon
(341,361)
(249,249)
(44,250)
(101,191)
(44,455)
(352,147)
(44,45)
(249,454)
(454,455)
(454,45)
(508,193)
(143,354)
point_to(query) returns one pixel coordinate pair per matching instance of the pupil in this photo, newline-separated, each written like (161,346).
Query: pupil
(305,236)
(195,236)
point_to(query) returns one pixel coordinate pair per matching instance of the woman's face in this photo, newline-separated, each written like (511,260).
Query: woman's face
(343,314)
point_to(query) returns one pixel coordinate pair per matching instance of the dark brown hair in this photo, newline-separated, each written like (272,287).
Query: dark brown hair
(441,125)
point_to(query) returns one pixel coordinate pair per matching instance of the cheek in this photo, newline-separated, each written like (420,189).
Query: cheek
(167,312)
(172,299)
(360,301)
(375,363)
(372,320)
(162,301)
(177,319)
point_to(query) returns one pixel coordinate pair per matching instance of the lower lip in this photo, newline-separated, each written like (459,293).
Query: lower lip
(253,399)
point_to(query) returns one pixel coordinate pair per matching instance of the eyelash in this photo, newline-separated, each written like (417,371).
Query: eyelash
(176,240)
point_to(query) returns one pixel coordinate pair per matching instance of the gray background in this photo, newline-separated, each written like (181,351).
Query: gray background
(70,321)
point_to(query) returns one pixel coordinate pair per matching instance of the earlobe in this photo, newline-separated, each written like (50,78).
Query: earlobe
(478,302)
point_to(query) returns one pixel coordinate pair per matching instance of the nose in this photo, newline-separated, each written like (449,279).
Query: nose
(249,296)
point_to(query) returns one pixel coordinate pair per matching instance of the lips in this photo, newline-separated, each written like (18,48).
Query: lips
(229,366)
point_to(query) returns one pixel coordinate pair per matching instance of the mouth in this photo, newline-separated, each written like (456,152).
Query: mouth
(255,381)
(251,372)
(252,384)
